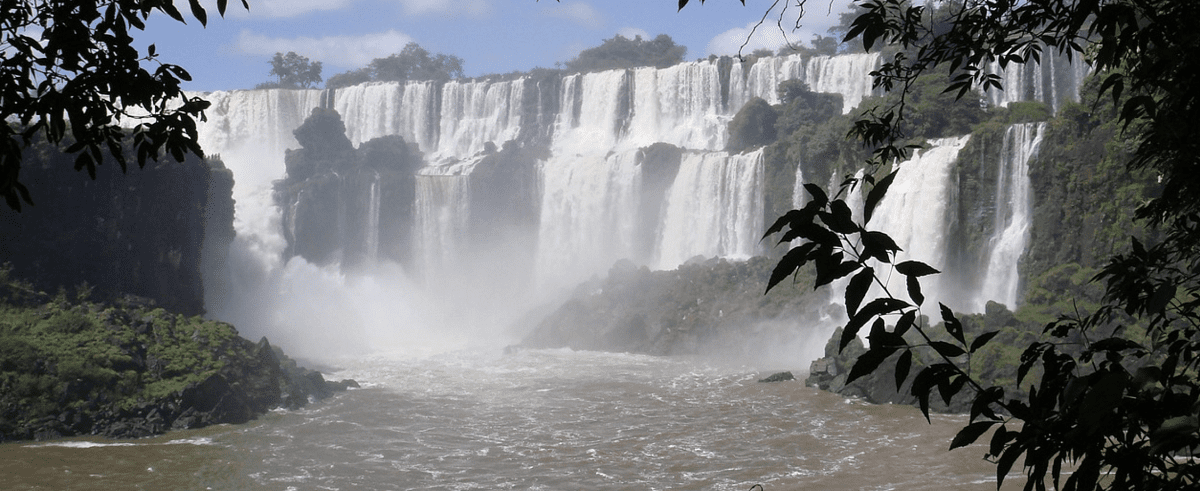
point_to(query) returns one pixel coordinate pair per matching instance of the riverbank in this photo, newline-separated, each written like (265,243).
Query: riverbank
(69,366)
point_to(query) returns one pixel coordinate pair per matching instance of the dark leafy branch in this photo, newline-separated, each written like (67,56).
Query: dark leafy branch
(70,73)
(1105,409)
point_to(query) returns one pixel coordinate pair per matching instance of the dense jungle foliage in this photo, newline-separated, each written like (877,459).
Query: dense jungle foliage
(622,52)
(1113,397)
(73,366)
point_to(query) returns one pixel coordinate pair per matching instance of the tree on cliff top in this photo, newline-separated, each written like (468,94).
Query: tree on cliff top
(411,63)
(292,71)
(622,52)
(1120,411)
(70,73)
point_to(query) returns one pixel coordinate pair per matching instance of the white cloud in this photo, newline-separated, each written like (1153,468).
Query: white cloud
(776,32)
(340,51)
(265,8)
(470,7)
(291,8)
(633,33)
(578,12)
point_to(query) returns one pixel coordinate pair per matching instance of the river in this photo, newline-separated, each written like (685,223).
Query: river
(535,419)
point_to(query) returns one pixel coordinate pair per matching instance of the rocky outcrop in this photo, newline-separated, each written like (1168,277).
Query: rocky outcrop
(124,372)
(706,306)
(346,205)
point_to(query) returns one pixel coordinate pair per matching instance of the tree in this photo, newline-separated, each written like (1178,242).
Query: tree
(622,52)
(1120,411)
(411,63)
(293,72)
(70,73)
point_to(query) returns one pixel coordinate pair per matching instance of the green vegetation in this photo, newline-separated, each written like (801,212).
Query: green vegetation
(71,74)
(61,359)
(77,367)
(1113,393)
(622,52)
(292,71)
(411,63)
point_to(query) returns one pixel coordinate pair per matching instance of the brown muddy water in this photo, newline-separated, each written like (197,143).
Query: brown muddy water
(540,420)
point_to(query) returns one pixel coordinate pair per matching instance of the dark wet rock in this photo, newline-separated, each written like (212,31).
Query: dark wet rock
(778,377)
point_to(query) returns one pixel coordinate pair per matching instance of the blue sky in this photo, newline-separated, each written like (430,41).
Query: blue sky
(495,36)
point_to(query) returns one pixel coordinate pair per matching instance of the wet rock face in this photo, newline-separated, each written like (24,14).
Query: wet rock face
(142,232)
(346,205)
(778,377)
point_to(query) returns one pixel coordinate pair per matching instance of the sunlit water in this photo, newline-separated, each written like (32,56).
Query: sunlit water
(542,419)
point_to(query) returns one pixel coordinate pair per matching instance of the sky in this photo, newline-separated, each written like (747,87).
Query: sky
(496,36)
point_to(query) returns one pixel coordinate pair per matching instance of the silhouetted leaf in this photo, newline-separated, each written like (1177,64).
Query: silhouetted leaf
(1161,298)
(868,362)
(781,222)
(789,263)
(876,195)
(905,323)
(857,289)
(982,339)
(914,290)
(819,198)
(198,11)
(876,307)
(1101,399)
(903,365)
(953,326)
(1005,463)
(1114,344)
(946,349)
(878,245)
(841,219)
(1000,438)
(915,269)
(968,435)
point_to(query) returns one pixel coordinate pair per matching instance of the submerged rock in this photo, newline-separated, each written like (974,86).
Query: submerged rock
(778,377)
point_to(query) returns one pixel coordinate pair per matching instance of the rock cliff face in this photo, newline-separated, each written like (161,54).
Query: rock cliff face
(334,195)
(145,232)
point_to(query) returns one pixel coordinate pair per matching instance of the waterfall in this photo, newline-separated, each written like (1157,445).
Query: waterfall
(843,75)
(848,75)
(680,105)
(914,212)
(372,222)
(441,214)
(476,113)
(589,209)
(387,108)
(1013,215)
(250,129)
(1053,81)
(585,182)
(714,208)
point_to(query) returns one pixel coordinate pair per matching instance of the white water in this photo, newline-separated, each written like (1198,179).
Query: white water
(848,75)
(537,420)
(1054,81)
(915,208)
(714,208)
(1013,217)
(589,187)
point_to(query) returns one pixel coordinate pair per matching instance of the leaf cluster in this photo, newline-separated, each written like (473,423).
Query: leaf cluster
(70,72)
